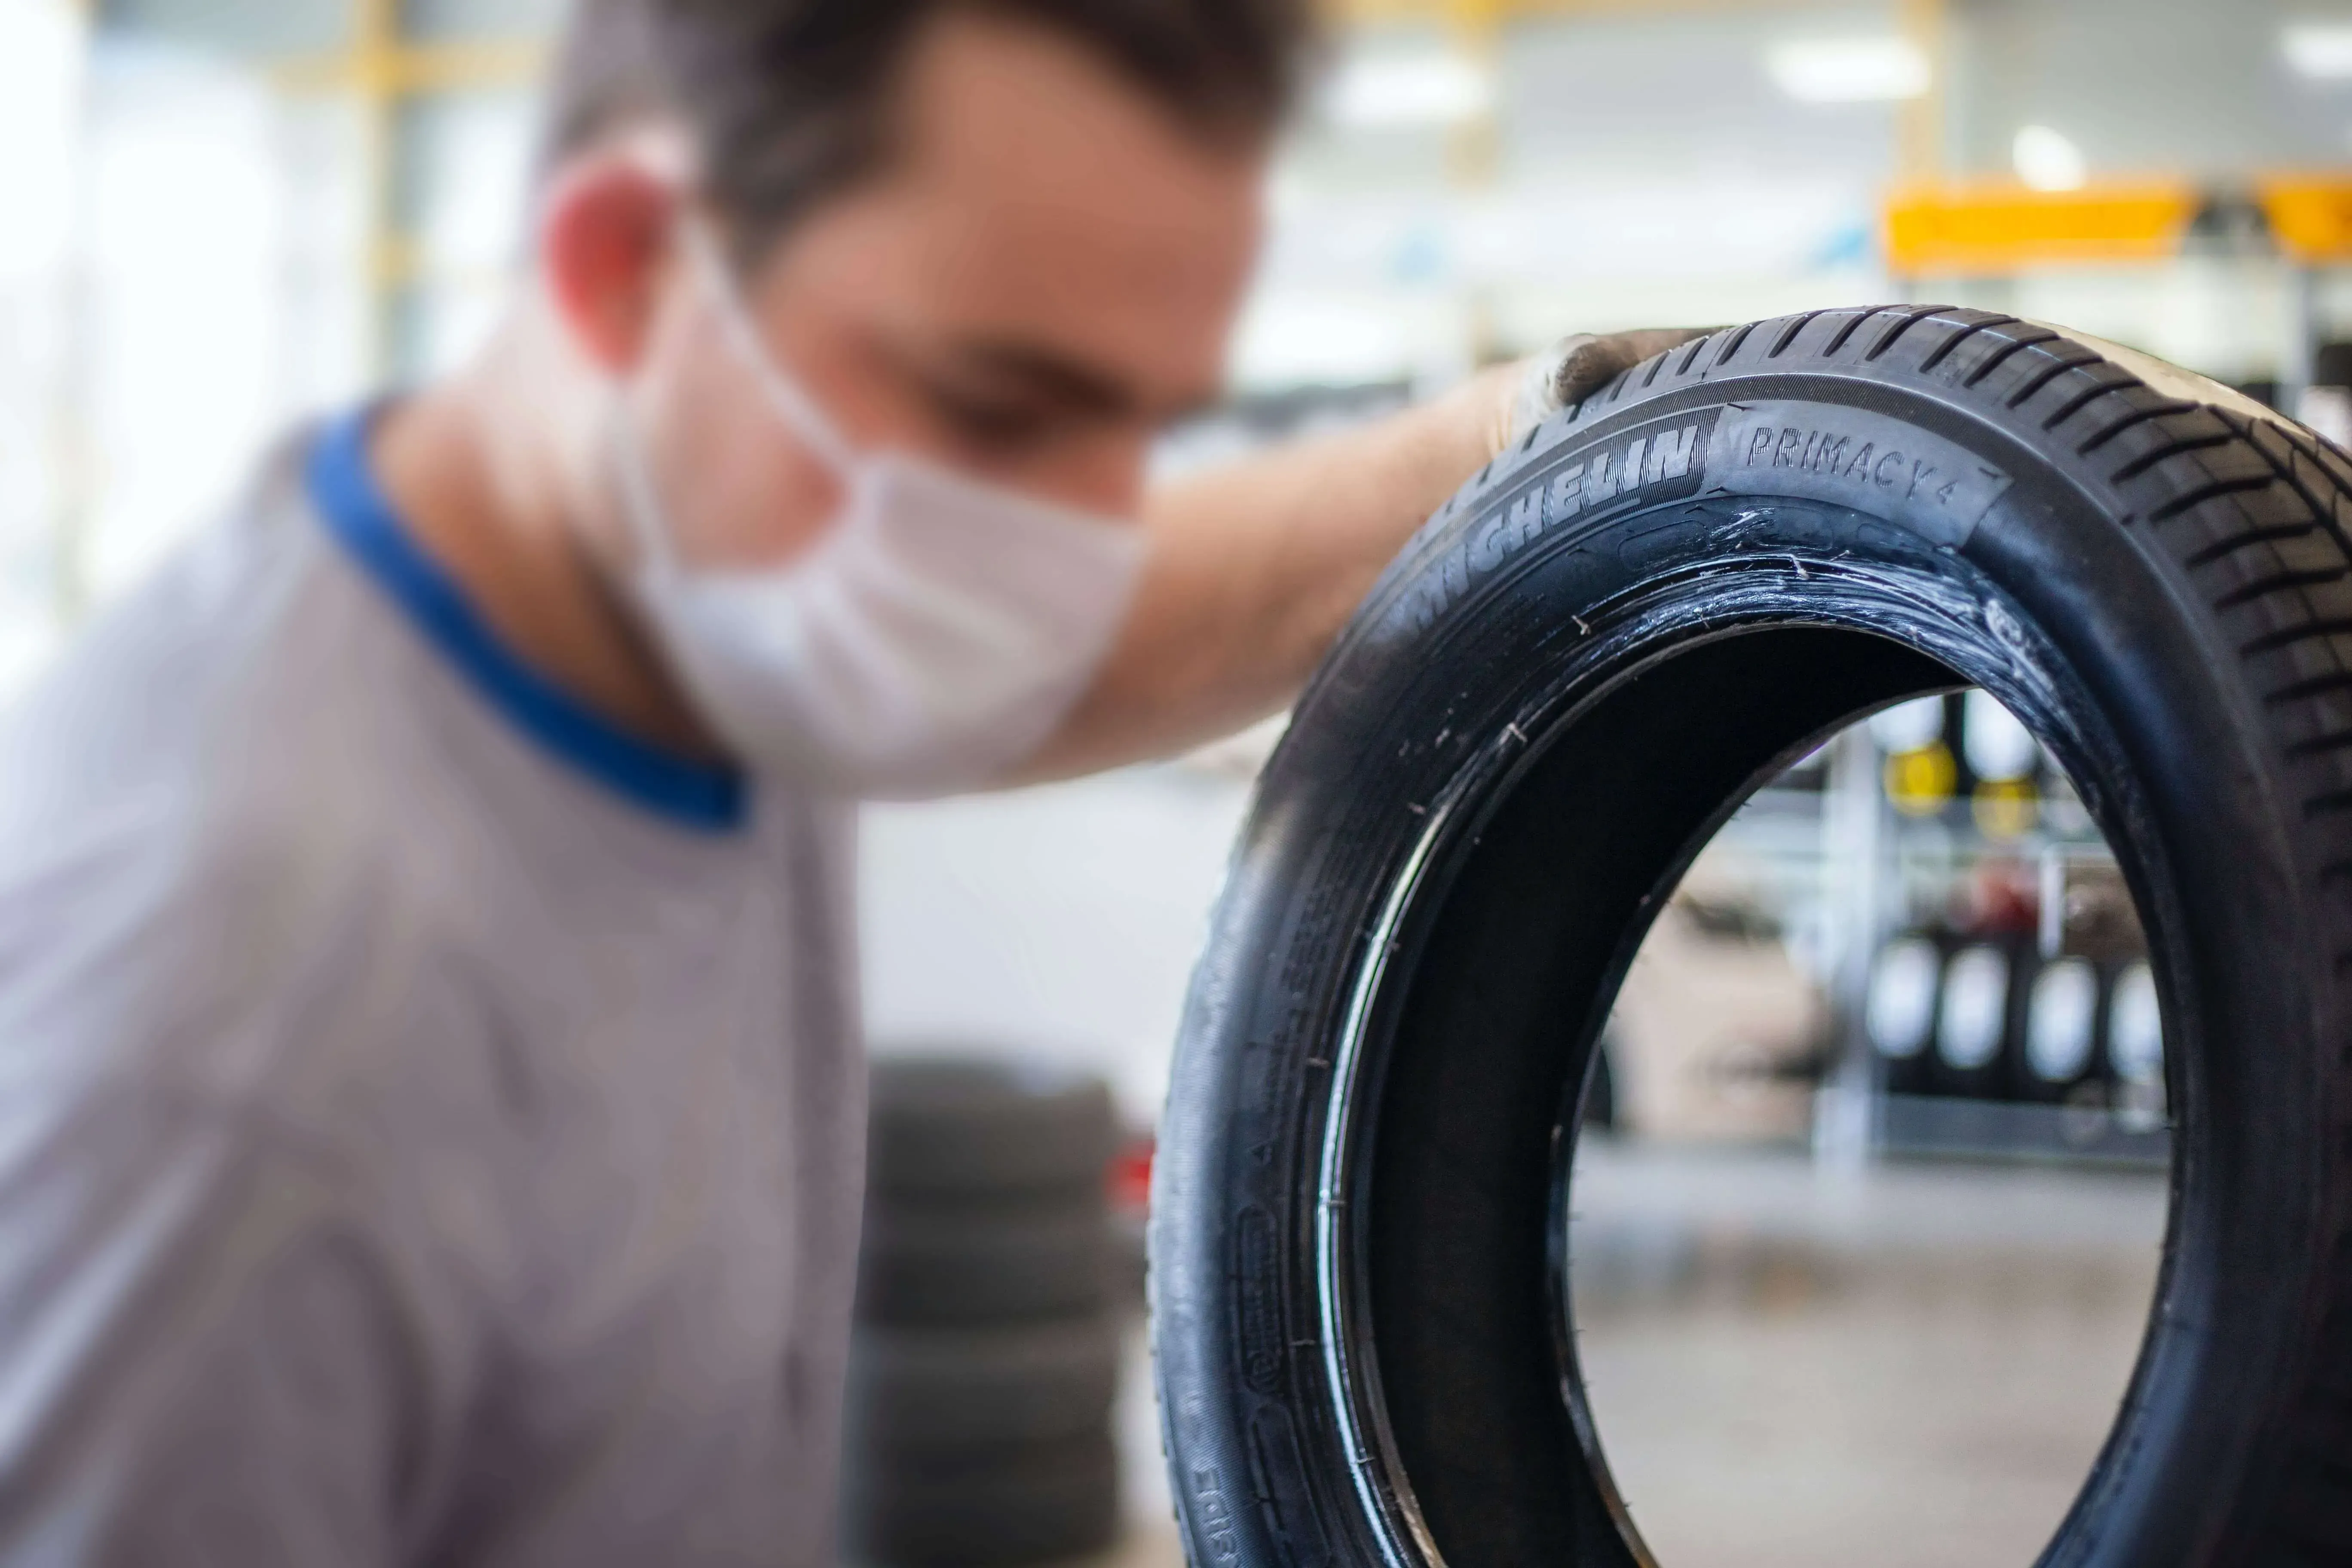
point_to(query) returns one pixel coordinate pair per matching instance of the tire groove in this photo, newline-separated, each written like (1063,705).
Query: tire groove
(2319,745)
(2270,642)
(1789,335)
(2164,410)
(2216,490)
(2003,355)
(2051,372)
(2148,460)
(1847,331)
(2089,395)
(1739,338)
(1894,334)
(1944,351)
(2311,686)
(2279,583)
(2230,546)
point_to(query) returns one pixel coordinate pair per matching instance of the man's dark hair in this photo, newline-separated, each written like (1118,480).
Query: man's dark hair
(789,99)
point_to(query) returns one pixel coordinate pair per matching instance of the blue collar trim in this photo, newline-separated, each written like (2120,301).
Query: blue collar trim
(708,798)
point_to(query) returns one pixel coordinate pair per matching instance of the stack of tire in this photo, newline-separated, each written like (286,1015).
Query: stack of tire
(985,1362)
(1985,1017)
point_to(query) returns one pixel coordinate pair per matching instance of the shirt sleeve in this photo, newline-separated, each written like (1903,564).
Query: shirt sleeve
(204,1352)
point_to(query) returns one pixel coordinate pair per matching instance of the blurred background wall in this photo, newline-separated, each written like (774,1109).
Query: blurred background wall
(217,215)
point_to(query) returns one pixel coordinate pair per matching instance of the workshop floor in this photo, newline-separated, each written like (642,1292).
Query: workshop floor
(1911,1367)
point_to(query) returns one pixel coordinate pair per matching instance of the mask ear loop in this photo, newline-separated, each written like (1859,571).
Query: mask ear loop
(790,401)
(647,519)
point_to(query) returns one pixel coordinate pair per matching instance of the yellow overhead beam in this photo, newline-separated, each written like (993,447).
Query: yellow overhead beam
(1983,230)
(2310,217)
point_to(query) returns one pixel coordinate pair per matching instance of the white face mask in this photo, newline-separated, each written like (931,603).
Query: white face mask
(932,639)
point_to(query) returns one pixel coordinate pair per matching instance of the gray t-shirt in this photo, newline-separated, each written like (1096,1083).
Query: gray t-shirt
(431,1122)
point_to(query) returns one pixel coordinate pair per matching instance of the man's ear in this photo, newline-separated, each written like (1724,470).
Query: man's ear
(606,231)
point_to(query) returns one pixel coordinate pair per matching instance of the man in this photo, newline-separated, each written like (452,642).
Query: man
(430,1105)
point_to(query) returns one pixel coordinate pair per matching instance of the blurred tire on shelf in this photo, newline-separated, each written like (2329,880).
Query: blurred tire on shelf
(1650,607)
(984,1363)
(1975,1020)
(1900,1009)
(1034,1503)
(953,1128)
(2061,1026)
(932,1389)
(981,1262)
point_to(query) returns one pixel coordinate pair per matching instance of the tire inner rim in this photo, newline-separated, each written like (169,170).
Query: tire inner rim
(1878,635)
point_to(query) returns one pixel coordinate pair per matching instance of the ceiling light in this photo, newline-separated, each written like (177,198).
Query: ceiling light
(1849,70)
(1388,90)
(2048,161)
(2321,49)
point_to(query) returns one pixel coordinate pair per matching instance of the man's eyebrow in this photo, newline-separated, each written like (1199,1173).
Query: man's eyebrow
(1069,380)
(1058,376)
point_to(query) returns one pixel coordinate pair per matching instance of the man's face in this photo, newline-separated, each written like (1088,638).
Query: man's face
(1042,276)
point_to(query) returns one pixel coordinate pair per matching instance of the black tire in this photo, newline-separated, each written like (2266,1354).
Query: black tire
(985,1262)
(992,1508)
(1532,724)
(957,1128)
(913,1391)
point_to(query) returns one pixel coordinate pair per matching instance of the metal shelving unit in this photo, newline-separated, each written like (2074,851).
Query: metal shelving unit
(1851,864)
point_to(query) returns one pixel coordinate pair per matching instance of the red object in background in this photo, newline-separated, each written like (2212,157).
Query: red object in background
(2001,898)
(1130,1175)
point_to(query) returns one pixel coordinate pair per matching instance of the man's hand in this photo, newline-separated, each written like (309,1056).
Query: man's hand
(1574,368)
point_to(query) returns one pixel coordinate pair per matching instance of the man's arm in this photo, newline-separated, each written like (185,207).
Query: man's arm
(1257,566)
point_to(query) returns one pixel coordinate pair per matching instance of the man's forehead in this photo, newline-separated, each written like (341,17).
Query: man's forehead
(1011,132)
(1040,220)
(970,70)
